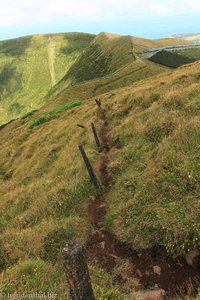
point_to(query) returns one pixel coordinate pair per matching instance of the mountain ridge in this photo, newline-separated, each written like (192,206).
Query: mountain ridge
(26,80)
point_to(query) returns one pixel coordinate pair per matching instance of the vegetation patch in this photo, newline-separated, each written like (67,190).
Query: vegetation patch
(25,76)
(52,114)
(64,107)
(38,121)
(103,57)
(4,258)
(171,59)
(36,276)
(29,114)
(76,42)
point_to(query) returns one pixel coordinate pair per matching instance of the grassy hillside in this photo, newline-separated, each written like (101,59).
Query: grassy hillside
(46,197)
(137,70)
(104,56)
(156,172)
(172,59)
(109,62)
(191,53)
(30,66)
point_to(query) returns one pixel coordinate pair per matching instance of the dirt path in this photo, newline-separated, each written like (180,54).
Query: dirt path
(51,58)
(104,249)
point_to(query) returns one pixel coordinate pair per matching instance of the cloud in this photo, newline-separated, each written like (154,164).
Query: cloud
(15,12)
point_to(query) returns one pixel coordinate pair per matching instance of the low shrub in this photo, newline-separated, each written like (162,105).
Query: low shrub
(29,114)
(52,114)
(65,107)
(38,121)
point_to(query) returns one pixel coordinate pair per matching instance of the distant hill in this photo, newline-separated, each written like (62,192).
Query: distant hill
(171,59)
(105,55)
(36,68)
(159,43)
(31,66)
(192,37)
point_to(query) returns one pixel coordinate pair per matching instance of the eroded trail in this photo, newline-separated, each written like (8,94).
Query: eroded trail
(51,59)
(104,249)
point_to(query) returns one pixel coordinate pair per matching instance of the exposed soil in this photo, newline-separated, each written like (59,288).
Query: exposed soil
(104,249)
(51,57)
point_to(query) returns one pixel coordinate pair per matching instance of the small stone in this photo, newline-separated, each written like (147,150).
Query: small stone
(148,295)
(103,244)
(157,270)
(114,256)
(139,273)
(193,258)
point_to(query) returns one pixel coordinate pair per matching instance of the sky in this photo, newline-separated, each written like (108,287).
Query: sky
(145,18)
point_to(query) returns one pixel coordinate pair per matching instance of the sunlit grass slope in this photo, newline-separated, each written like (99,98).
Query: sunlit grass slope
(110,61)
(44,187)
(137,70)
(155,200)
(44,191)
(30,66)
(104,56)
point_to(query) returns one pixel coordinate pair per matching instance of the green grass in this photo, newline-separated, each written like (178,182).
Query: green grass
(29,114)
(45,189)
(156,172)
(37,276)
(38,121)
(52,114)
(171,59)
(26,69)
(103,57)
(66,106)
(191,53)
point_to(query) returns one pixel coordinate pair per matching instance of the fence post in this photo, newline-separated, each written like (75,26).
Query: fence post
(77,272)
(95,136)
(79,125)
(89,167)
(98,102)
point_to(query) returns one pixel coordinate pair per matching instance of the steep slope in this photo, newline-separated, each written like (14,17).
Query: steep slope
(104,56)
(150,135)
(191,53)
(30,66)
(171,59)
(111,61)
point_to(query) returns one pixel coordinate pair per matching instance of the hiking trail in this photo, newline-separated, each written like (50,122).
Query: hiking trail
(51,59)
(104,249)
